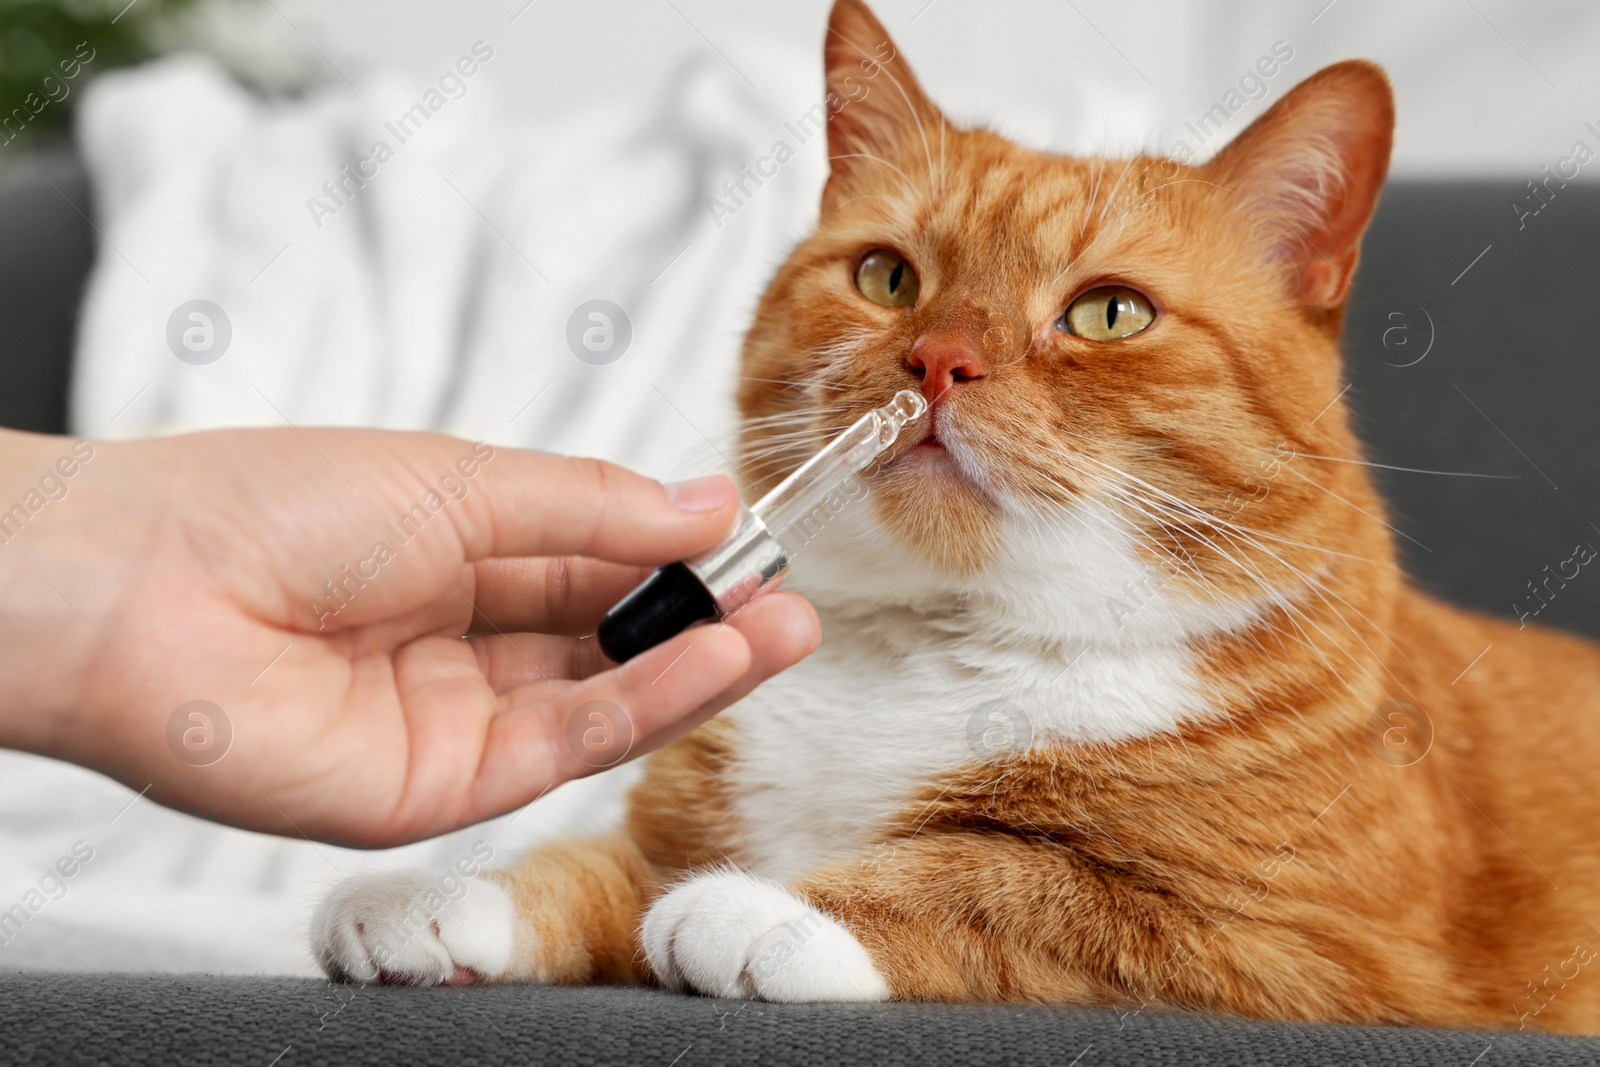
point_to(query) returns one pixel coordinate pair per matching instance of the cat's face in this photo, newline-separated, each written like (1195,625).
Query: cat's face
(1127,338)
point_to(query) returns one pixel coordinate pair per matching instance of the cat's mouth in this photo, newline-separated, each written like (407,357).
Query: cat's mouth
(928,449)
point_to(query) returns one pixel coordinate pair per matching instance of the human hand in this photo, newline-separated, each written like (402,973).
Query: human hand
(316,587)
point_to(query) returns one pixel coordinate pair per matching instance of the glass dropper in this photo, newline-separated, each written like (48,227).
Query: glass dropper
(799,497)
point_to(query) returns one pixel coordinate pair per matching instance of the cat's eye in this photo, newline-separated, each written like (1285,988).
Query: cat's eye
(885,278)
(1108,313)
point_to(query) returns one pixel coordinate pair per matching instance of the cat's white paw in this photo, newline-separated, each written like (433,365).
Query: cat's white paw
(730,934)
(414,928)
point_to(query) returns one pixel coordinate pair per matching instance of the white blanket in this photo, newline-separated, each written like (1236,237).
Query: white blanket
(437,294)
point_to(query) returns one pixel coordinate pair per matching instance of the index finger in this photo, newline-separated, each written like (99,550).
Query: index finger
(543,504)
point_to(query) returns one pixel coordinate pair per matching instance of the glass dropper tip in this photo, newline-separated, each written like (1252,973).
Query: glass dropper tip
(890,419)
(907,404)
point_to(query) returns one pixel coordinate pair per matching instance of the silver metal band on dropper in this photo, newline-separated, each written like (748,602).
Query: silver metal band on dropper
(740,567)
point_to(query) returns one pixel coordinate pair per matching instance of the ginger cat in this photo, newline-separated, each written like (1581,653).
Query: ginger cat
(1118,697)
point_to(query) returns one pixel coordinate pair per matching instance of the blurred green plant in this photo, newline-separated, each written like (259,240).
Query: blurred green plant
(42,40)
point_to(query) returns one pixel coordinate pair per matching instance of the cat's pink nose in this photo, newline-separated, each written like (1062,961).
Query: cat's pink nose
(942,365)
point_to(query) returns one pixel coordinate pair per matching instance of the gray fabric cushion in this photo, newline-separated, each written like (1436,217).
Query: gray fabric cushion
(162,1019)
(1513,336)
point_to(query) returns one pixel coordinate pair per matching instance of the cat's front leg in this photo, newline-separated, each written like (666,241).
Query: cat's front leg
(567,913)
(996,917)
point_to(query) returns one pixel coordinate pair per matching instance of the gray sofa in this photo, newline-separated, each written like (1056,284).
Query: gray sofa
(1506,383)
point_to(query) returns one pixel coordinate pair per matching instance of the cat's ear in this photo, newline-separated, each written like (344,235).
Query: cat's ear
(875,106)
(1307,174)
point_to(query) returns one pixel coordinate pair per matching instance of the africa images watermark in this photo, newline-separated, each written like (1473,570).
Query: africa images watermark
(450,887)
(52,886)
(341,589)
(54,89)
(1252,85)
(808,527)
(1541,192)
(1539,996)
(52,486)
(352,178)
(1544,592)
(809,123)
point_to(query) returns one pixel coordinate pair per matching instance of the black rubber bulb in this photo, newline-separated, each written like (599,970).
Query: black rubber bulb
(664,605)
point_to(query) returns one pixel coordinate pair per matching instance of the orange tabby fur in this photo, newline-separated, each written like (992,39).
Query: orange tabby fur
(1260,860)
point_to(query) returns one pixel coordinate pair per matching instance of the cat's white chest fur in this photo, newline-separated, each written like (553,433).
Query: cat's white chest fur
(902,694)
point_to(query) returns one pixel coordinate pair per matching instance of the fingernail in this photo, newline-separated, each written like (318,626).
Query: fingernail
(702,494)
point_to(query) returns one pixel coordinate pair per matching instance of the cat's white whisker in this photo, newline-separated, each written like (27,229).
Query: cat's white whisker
(1407,470)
